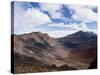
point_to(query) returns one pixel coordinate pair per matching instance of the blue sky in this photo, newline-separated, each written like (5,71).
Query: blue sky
(57,20)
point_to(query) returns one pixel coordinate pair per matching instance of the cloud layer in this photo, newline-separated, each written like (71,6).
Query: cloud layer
(28,18)
(83,13)
(57,20)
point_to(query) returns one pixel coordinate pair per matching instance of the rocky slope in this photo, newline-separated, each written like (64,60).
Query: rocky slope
(77,50)
(39,47)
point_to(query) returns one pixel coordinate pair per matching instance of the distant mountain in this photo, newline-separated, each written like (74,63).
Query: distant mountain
(83,45)
(77,50)
(77,40)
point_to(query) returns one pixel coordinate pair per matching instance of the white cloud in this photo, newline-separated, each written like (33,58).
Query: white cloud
(26,20)
(59,33)
(71,26)
(52,9)
(83,13)
(35,17)
(20,7)
(74,26)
